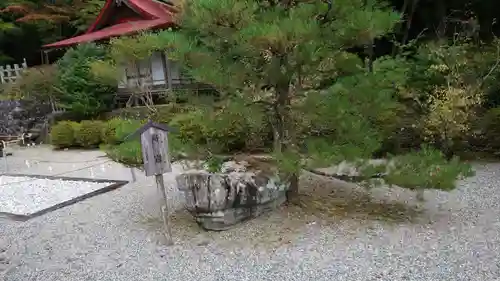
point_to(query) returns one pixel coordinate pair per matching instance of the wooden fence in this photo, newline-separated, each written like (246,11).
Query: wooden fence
(9,73)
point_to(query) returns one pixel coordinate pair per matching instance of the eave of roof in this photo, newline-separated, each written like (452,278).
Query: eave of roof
(126,28)
(155,15)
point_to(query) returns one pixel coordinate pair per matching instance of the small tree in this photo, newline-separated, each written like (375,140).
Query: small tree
(291,59)
(80,91)
(35,84)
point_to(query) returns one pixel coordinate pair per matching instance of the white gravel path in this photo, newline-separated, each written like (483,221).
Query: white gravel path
(28,195)
(115,236)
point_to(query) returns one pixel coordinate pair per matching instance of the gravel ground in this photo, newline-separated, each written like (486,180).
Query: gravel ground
(28,195)
(339,233)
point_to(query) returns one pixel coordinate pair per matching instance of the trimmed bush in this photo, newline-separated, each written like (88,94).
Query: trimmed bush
(89,134)
(63,134)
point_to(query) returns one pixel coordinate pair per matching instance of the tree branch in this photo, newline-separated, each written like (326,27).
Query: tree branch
(346,178)
(492,69)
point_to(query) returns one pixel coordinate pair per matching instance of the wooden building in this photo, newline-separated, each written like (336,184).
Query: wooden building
(157,73)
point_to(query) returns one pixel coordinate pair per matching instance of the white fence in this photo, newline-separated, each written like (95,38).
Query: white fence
(9,73)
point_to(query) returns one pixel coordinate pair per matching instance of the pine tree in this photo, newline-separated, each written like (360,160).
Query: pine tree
(293,60)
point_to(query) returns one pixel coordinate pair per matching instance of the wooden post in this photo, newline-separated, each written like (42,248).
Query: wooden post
(160,184)
(2,75)
(4,155)
(132,173)
(8,70)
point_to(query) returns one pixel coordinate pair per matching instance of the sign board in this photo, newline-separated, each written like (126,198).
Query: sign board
(155,154)
(154,143)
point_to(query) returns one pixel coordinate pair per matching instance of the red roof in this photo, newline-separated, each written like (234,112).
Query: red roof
(155,15)
(112,31)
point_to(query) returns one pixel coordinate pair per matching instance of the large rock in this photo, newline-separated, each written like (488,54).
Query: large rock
(219,201)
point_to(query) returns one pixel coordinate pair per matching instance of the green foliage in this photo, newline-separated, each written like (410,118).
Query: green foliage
(190,126)
(109,131)
(113,135)
(128,153)
(225,128)
(63,134)
(289,67)
(116,130)
(245,46)
(447,86)
(127,127)
(426,168)
(86,13)
(490,127)
(237,127)
(81,92)
(163,113)
(89,133)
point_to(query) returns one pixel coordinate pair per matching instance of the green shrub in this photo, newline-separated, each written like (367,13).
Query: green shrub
(236,129)
(191,126)
(223,130)
(116,130)
(165,113)
(128,153)
(126,127)
(89,133)
(63,133)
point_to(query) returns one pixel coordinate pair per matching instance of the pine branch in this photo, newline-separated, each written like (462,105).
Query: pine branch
(346,178)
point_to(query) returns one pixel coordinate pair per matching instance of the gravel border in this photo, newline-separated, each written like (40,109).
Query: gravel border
(23,211)
(452,236)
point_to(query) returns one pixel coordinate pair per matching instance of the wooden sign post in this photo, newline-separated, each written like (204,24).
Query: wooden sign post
(154,142)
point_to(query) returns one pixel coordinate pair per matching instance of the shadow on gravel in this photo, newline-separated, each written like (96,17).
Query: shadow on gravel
(320,205)
(335,199)
(361,206)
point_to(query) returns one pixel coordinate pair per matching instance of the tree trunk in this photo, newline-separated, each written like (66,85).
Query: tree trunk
(441,15)
(370,51)
(409,22)
(284,140)
(400,25)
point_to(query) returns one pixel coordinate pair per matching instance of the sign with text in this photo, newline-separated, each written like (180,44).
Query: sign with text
(155,153)
(154,143)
